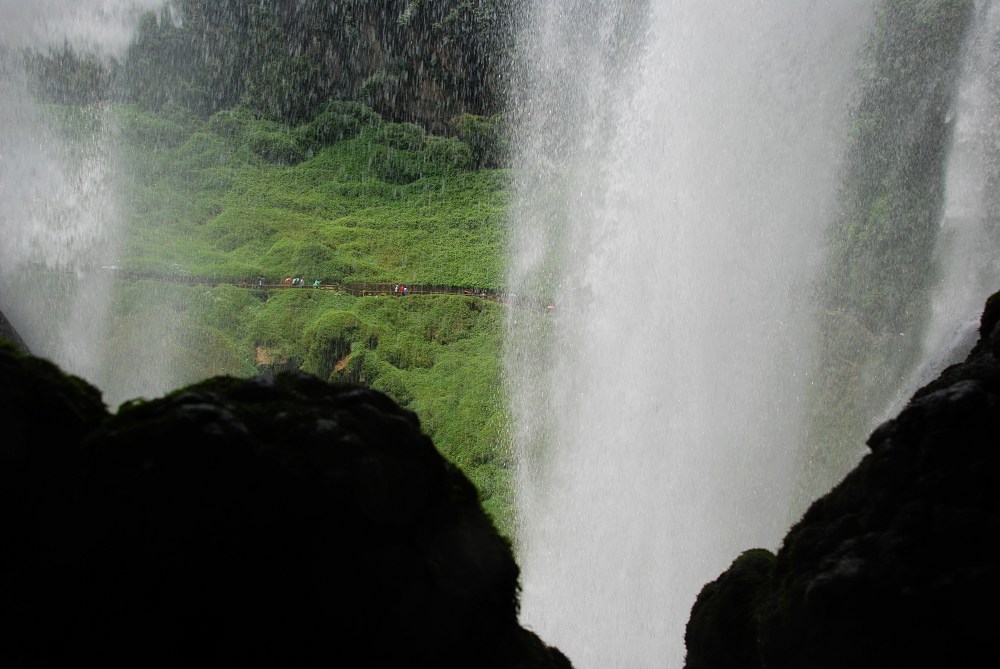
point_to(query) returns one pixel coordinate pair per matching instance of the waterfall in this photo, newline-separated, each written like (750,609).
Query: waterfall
(60,214)
(677,165)
(967,243)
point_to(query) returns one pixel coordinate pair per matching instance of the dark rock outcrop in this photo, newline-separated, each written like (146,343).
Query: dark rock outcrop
(897,565)
(723,625)
(279,521)
(8,332)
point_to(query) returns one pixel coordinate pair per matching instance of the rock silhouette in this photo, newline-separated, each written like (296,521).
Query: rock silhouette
(282,521)
(278,521)
(8,332)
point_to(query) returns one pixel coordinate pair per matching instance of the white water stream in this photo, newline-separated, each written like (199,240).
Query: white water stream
(60,217)
(968,243)
(677,166)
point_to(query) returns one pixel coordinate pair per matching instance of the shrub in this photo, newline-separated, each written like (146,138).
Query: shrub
(279,147)
(449,153)
(403,136)
(144,130)
(486,138)
(338,120)
(231,123)
(330,339)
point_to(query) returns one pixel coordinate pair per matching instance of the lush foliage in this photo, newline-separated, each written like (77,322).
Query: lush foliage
(246,154)
(343,197)
(412,61)
(430,63)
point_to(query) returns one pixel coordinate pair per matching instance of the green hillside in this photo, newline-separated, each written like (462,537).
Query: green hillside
(260,140)
(343,198)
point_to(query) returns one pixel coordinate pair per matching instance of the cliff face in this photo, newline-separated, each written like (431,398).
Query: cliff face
(893,567)
(277,521)
(420,62)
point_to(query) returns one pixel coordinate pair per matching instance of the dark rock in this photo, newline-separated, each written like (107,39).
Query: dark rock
(722,624)
(278,521)
(896,566)
(8,332)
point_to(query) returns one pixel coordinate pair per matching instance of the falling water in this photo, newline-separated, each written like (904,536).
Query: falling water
(60,217)
(970,228)
(678,162)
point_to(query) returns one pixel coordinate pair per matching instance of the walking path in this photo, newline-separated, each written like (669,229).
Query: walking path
(367,289)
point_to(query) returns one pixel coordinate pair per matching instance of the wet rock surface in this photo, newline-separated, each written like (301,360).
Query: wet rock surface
(279,521)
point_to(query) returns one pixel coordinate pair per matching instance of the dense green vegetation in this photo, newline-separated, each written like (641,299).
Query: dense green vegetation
(342,197)
(422,62)
(354,142)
